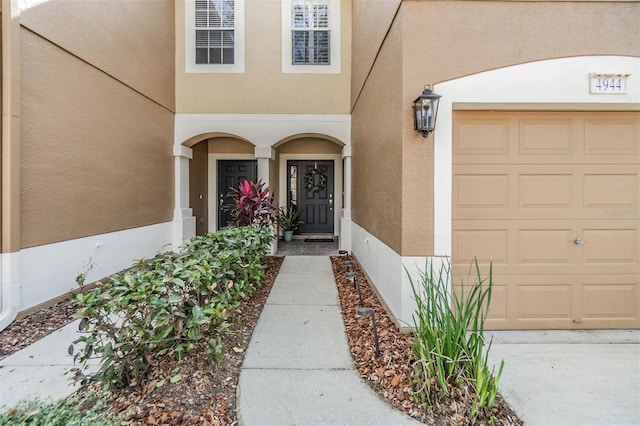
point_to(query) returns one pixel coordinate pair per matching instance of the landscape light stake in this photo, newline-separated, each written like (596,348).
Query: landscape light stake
(362,311)
(354,276)
(348,264)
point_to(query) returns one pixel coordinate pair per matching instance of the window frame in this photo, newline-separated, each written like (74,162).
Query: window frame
(334,42)
(190,42)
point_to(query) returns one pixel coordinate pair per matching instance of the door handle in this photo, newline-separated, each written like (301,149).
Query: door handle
(221,200)
(330,201)
(579,241)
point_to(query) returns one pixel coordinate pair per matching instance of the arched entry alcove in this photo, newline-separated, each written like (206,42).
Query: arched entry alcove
(265,134)
(316,160)
(197,161)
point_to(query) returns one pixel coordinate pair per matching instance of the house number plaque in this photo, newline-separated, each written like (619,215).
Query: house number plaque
(608,84)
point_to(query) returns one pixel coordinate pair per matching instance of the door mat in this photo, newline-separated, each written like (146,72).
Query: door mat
(318,240)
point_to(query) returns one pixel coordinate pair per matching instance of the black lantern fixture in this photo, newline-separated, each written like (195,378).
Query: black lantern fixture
(425,111)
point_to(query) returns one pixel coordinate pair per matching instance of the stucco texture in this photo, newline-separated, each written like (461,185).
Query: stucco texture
(434,41)
(373,19)
(377,147)
(96,154)
(263,88)
(132,41)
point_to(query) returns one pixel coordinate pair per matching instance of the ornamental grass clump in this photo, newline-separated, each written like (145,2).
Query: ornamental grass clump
(449,347)
(169,305)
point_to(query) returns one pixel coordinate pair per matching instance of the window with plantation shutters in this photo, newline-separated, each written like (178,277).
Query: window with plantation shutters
(215,32)
(311,36)
(214,35)
(310,32)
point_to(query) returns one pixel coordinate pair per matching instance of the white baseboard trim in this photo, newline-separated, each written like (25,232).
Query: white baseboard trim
(388,272)
(49,271)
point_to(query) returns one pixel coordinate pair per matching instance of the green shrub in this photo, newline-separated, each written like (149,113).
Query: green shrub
(449,346)
(170,304)
(73,411)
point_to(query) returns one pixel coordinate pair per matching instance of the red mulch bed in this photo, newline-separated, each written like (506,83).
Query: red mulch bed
(389,375)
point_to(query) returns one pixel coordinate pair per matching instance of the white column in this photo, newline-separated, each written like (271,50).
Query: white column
(345,219)
(264,155)
(184,223)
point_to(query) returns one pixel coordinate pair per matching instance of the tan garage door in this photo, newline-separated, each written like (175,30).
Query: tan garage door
(552,199)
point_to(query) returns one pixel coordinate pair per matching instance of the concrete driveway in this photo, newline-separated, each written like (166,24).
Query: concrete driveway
(556,378)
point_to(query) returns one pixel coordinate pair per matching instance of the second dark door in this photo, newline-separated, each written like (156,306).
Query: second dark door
(315,207)
(230,174)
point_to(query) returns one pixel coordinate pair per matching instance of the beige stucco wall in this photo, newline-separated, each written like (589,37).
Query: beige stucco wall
(371,21)
(274,177)
(198,186)
(96,154)
(377,146)
(462,38)
(508,33)
(263,88)
(310,145)
(229,145)
(131,41)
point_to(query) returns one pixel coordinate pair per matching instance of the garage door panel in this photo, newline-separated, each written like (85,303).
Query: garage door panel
(546,191)
(534,301)
(482,136)
(606,301)
(545,246)
(610,190)
(549,302)
(498,307)
(546,136)
(542,137)
(614,247)
(609,247)
(612,136)
(481,191)
(612,301)
(487,245)
(528,203)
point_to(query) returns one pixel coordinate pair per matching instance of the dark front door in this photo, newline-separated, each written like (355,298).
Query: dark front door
(315,206)
(230,174)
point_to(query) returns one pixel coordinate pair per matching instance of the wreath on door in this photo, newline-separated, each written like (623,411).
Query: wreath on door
(312,184)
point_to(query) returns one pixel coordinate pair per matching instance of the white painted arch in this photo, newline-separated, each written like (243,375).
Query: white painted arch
(555,84)
(263,130)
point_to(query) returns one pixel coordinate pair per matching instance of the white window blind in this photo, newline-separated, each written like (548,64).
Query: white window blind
(310,32)
(215,32)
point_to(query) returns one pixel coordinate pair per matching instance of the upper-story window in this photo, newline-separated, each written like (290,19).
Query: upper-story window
(310,33)
(311,36)
(214,36)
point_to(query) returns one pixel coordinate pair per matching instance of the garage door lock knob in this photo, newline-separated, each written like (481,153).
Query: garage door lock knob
(579,241)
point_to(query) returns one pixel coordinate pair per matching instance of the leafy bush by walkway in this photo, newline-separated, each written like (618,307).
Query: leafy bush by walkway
(170,304)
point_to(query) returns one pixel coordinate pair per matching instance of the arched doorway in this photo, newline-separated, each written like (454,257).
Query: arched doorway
(311,181)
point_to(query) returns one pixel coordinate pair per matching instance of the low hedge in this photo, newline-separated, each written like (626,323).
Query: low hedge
(170,304)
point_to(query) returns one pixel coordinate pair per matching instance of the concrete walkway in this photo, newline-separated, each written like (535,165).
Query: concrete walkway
(298,368)
(39,370)
(570,378)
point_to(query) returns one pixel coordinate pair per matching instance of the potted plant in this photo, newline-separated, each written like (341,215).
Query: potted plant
(289,221)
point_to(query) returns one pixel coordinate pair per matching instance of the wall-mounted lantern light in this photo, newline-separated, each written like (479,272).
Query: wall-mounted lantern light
(425,111)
